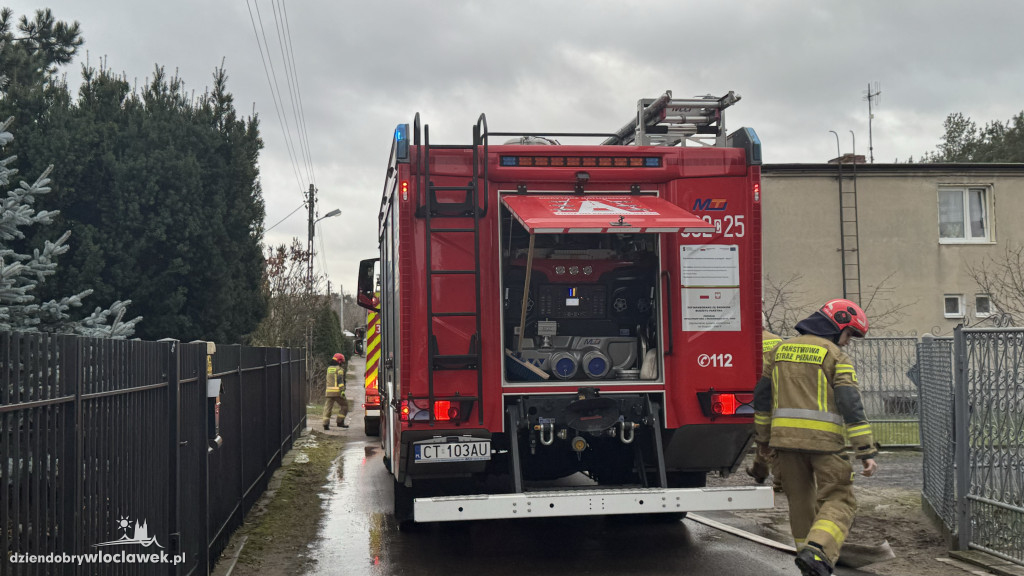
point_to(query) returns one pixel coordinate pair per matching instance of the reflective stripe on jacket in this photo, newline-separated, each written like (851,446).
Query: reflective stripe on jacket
(334,387)
(813,394)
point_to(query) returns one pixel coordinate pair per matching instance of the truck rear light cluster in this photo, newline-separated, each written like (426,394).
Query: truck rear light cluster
(418,410)
(715,404)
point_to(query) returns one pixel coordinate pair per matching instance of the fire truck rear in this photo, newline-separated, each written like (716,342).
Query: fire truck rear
(570,328)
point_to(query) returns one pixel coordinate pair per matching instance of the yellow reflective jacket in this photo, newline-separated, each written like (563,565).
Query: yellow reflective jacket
(335,383)
(808,397)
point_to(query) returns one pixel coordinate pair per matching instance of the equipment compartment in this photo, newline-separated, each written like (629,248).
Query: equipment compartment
(592,308)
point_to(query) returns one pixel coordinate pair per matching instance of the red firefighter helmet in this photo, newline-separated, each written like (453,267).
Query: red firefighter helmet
(339,358)
(844,313)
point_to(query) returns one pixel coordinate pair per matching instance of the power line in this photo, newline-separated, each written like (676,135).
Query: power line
(301,206)
(289,73)
(301,116)
(298,90)
(323,253)
(272,82)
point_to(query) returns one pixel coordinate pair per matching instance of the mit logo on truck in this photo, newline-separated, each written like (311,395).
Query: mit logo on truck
(710,204)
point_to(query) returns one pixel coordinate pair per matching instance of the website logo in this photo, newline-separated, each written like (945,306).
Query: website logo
(140,535)
(131,533)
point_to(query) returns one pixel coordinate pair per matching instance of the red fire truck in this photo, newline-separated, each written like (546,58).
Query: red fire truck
(570,329)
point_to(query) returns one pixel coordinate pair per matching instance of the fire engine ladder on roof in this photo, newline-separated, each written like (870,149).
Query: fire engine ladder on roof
(436,212)
(668,121)
(849,237)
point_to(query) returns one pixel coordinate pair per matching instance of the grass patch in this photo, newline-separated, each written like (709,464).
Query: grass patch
(316,408)
(281,528)
(897,433)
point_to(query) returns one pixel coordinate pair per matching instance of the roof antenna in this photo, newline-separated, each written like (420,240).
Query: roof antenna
(872,96)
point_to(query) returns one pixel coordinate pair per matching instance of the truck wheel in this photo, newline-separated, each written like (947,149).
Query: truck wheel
(403,506)
(687,479)
(668,517)
(372,426)
(658,518)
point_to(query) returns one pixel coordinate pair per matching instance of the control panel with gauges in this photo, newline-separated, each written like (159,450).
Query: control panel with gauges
(583,302)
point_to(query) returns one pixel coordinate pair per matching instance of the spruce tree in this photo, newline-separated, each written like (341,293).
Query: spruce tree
(21,274)
(158,184)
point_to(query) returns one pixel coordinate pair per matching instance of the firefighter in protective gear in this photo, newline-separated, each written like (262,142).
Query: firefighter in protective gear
(806,398)
(335,392)
(763,460)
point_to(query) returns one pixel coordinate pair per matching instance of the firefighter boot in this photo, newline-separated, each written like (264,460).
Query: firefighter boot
(812,562)
(327,424)
(340,422)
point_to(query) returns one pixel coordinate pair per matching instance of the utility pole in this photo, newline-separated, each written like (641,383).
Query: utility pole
(311,201)
(871,96)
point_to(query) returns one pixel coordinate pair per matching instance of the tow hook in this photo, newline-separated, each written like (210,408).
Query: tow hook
(627,431)
(547,433)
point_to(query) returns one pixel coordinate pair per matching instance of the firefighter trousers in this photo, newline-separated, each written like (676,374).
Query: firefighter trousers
(341,402)
(819,488)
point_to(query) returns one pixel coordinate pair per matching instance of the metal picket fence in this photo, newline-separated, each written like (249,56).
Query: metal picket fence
(886,369)
(103,440)
(989,412)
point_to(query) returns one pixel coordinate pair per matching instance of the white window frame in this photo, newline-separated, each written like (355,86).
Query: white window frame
(986,207)
(959,303)
(977,312)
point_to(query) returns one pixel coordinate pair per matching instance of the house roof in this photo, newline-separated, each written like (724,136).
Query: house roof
(908,169)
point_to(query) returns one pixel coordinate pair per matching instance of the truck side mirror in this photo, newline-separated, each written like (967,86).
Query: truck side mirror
(366,288)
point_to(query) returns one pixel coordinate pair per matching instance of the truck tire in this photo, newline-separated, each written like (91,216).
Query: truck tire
(403,506)
(657,518)
(371,426)
(668,517)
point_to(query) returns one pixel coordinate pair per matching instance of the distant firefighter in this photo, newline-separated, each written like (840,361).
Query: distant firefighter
(335,391)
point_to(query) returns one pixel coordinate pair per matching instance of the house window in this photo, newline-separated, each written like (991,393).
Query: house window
(954,306)
(982,305)
(964,215)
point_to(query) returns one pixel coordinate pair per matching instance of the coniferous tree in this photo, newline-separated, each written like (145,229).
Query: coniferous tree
(21,274)
(158,186)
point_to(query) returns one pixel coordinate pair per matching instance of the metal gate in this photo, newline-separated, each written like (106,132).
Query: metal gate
(886,372)
(937,420)
(989,411)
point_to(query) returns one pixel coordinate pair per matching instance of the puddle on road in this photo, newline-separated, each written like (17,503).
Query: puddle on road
(356,515)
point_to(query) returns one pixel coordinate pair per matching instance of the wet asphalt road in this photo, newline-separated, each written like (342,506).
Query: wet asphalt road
(359,536)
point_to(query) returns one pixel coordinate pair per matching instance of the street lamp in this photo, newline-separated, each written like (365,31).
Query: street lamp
(312,226)
(334,212)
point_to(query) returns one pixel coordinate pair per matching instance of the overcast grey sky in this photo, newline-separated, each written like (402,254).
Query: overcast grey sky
(801,67)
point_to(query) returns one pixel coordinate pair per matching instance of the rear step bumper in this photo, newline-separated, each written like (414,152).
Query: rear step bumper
(591,502)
